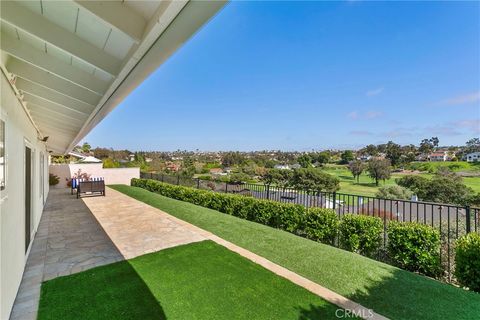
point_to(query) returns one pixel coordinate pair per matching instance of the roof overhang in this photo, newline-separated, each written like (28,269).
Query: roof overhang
(73,62)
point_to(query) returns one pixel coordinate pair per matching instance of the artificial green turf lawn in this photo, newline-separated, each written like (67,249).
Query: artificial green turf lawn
(200,280)
(390,291)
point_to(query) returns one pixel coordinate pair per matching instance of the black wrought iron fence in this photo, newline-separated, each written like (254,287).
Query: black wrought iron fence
(452,221)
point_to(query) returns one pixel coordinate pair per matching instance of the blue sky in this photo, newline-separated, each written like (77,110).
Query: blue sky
(311,75)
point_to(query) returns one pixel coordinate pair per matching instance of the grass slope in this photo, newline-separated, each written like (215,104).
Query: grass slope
(366,186)
(390,291)
(201,280)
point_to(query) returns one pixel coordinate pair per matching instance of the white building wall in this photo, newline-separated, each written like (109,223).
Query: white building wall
(111,175)
(18,131)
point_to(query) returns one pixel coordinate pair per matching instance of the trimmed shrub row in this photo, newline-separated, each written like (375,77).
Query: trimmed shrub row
(411,246)
(467,260)
(361,234)
(414,247)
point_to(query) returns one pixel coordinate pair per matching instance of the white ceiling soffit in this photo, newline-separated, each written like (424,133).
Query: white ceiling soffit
(72,62)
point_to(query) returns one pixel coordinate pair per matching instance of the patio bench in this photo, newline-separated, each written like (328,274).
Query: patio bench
(91,187)
(288,197)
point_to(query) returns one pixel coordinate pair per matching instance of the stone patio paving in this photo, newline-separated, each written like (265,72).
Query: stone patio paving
(137,228)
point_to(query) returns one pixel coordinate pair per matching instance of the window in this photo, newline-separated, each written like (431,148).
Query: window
(2,156)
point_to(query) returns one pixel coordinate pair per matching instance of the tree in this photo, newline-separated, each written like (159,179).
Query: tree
(472,145)
(393,152)
(102,153)
(371,150)
(188,167)
(347,156)
(379,169)
(239,177)
(356,168)
(305,161)
(86,147)
(110,163)
(428,145)
(315,180)
(434,141)
(232,158)
(448,189)
(322,157)
(444,187)
(417,184)
(394,192)
(281,178)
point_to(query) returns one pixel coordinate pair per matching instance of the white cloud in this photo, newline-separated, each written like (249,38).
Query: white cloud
(470,124)
(374,92)
(445,130)
(361,133)
(461,99)
(373,114)
(353,115)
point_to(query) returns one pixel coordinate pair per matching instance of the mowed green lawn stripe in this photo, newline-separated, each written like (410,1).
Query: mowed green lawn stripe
(390,291)
(201,280)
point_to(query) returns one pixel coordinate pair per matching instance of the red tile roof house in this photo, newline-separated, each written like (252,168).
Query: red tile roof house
(173,166)
(438,156)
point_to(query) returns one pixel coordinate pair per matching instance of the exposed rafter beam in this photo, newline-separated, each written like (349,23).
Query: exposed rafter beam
(53,124)
(39,58)
(53,131)
(32,88)
(117,16)
(46,79)
(54,106)
(66,119)
(39,27)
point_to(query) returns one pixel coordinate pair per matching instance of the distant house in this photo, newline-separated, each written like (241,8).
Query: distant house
(84,158)
(421,157)
(172,166)
(296,166)
(148,160)
(282,166)
(473,157)
(438,156)
(216,170)
(364,157)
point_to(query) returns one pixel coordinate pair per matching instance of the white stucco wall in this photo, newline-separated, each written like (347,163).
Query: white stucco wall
(111,175)
(19,131)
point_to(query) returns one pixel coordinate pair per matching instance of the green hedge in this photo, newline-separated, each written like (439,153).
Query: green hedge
(360,234)
(411,246)
(414,247)
(321,225)
(284,216)
(467,259)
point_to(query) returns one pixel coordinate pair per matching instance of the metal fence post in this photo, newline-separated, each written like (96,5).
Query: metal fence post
(334,200)
(226,187)
(198,183)
(268,191)
(162,177)
(178,180)
(468,219)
